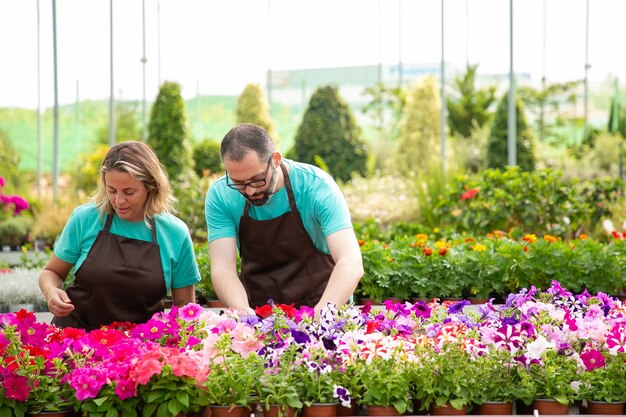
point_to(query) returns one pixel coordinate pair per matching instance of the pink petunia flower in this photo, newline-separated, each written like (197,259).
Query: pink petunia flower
(190,312)
(593,359)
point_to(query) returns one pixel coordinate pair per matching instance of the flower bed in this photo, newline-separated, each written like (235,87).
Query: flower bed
(419,266)
(539,344)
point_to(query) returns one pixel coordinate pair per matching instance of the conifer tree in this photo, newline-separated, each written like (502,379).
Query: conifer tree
(167,131)
(329,135)
(417,149)
(253,108)
(497,145)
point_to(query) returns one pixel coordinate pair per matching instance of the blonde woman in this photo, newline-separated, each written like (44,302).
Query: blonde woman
(126,247)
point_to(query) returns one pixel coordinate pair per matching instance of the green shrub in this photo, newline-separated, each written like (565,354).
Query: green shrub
(204,288)
(525,202)
(329,131)
(253,108)
(14,231)
(206,156)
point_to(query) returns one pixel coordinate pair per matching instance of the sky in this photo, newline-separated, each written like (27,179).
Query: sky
(217,47)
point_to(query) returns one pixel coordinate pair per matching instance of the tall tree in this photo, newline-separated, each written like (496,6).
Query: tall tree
(468,107)
(167,131)
(497,146)
(253,108)
(329,135)
(417,149)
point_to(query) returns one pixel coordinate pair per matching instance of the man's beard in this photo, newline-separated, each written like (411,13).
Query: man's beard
(268,193)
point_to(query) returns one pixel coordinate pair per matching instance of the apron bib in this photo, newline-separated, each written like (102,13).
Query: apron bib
(279,261)
(120,280)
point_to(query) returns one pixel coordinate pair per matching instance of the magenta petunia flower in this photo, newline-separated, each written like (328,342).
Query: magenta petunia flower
(190,312)
(125,389)
(15,387)
(2,182)
(593,359)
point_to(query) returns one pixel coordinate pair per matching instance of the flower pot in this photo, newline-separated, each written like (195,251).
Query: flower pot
(600,407)
(202,412)
(215,304)
(279,411)
(51,414)
(382,410)
(447,410)
(319,410)
(225,411)
(495,408)
(353,410)
(550,407)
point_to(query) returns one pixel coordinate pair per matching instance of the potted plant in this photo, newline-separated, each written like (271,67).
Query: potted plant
(380,370)
(318,374)
(169,381)
(19,289)
(552,377)
(444,380)
(278,385)
(602,382)
(37,375)
(495,374)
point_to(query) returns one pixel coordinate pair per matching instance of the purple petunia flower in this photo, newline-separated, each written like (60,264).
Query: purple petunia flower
(458,307)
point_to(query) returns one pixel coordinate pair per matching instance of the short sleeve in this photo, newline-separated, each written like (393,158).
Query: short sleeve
(219,218)
(185,270)
(68,246)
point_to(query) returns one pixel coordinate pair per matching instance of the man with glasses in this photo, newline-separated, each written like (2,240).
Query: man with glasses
(290,223)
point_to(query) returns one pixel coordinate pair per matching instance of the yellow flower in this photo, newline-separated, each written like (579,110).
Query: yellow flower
(532,238)
(480,248)
(442,244)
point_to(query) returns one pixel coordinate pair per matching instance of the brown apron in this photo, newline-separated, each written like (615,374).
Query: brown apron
(279,260)
(120,280)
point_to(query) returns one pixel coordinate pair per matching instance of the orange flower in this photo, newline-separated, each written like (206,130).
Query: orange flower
(550,238)
(421,237)
(531,238)
(443,251)
(583,236)
(361,242)
(427,251)
(525,248)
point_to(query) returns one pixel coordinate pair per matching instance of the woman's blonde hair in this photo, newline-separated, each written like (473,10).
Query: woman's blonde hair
(140,161)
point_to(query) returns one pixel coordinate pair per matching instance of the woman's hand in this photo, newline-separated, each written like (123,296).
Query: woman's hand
(58,302)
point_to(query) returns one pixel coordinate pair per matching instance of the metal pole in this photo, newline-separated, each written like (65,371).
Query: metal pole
(39,121)
(159,41)
(399,43)
(144,129)
(380,47)
(55,153)
(587,66)
(512,133)
(543,76)
(111,97)
(443,96)
(269,54)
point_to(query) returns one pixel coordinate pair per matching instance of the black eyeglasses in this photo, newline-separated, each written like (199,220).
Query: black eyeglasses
(252,184)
